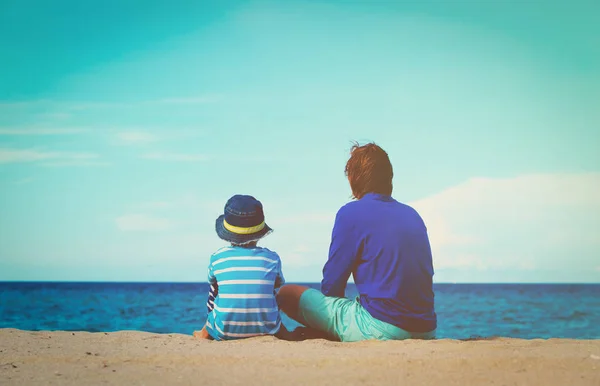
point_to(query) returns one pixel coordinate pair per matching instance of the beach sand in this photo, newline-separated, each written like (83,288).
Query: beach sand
(140,358)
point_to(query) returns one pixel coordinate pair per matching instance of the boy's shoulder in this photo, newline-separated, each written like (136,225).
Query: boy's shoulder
(223,251)
(267,252)
(229,250)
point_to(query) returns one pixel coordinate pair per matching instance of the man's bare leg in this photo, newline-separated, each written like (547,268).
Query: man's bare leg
(288,299)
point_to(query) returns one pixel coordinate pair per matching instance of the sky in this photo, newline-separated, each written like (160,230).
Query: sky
(125,127)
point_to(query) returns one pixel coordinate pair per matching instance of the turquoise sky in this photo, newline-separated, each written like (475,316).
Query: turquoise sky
(125,126)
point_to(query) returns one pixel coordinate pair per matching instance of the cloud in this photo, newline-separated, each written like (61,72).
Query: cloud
(531,227)
(136,137)
(304,218)
(302,240)
(300,256)
(29,155)
(540,220)
(141,137)
(535,227)
(42,131)
(86,105)
(14,155)
(175,157)
(57,115)
(186,204)
(188,100)
(75,162)
(142,222)
(156,205)
(23,181)
(192,100)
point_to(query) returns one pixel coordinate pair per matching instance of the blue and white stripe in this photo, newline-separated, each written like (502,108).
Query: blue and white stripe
(242,298)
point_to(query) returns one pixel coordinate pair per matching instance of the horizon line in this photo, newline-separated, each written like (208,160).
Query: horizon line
(291,282)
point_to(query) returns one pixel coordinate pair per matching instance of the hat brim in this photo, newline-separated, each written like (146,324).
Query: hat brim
(235,238)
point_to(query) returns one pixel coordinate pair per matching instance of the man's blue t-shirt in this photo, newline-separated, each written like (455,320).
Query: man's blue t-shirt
(384,244)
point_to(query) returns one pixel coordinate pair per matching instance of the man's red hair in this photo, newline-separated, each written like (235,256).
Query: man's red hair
(369,170)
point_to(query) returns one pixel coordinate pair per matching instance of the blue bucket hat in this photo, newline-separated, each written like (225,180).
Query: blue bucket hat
(243,221)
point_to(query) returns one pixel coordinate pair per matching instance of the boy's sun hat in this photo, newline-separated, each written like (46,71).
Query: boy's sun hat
(243,221)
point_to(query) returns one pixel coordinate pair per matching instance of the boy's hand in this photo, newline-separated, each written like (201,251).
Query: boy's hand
(202,334)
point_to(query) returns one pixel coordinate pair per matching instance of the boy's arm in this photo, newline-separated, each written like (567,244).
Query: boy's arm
(279,280)
(213,288)
(343,252)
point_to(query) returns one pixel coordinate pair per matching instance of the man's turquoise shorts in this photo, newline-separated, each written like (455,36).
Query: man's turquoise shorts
(346,320)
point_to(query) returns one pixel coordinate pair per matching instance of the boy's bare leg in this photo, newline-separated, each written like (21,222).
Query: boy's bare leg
(202,334)
(210,305)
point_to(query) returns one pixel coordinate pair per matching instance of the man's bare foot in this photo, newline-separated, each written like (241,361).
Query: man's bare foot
(202,334)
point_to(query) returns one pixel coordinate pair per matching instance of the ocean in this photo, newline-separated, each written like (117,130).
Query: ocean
(464,310)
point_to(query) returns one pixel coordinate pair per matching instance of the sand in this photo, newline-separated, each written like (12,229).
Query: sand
(141,358)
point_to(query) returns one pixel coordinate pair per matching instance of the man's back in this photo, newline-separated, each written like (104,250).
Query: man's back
(384,244)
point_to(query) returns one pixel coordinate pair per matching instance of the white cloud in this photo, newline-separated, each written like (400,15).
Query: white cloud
(15,155)
(142,222)
(155,205)
(189,100)
(136,137)
(75,162)
(535,226)
(175,157)
(300,256)
(302,241)
(30,155)
(23,181)
(57,116)
(186,205)
(547,221)
(141,137)
(41,131)
(196,100)
(70,105)
(311,218)
(543,226)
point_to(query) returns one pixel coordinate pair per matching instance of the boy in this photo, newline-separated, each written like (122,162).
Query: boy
(243,277)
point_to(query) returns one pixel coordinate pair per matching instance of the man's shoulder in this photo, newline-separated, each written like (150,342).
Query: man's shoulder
(398,210)
(407,208)
(361,205)
(411,213)
(350,207)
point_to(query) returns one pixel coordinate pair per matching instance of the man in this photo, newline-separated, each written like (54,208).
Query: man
(384,245)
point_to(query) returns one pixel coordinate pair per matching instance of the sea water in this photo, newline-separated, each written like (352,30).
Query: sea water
(464,310)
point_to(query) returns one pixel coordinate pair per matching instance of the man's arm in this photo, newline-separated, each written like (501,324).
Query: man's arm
(343,252)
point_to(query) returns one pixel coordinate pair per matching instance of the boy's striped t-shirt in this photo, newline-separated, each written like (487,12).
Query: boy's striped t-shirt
(245,281)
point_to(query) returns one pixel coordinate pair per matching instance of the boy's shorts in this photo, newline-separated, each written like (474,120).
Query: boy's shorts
(347,321)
